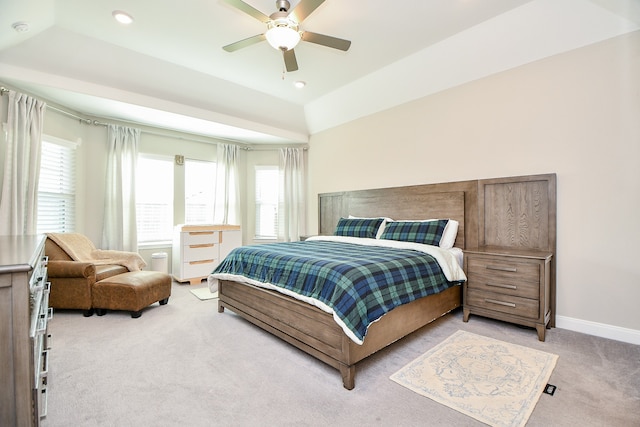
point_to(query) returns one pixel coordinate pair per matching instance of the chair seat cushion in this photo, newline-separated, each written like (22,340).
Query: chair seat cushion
(131,291)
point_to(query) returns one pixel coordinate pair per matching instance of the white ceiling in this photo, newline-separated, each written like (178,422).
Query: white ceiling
(168,68)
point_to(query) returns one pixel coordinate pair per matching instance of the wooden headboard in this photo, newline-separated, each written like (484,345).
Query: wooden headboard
(513,212)
(456,200)
(518,212)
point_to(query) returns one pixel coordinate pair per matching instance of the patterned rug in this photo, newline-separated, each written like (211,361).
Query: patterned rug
(204,293)
(492,381)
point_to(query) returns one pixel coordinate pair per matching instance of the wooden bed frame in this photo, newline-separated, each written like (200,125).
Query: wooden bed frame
(314,331)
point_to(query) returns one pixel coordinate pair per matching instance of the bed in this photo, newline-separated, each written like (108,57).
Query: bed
(315,331)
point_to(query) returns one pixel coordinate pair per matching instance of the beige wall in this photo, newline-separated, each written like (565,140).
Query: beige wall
(576,114)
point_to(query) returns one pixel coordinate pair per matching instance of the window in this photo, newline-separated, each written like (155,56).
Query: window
(57,187)
(154,199)
(200,183)
(266,202)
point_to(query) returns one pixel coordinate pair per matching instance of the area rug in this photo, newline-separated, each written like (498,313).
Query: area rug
(495,382)
(204,293)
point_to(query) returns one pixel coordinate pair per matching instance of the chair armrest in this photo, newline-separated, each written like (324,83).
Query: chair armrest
(69,269)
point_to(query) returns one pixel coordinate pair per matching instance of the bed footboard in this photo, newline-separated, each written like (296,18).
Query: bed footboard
(316,333)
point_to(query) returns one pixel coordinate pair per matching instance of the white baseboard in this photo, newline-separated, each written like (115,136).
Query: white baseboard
(617,333)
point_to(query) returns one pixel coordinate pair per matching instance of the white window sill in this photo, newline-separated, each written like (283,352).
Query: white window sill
(152,245)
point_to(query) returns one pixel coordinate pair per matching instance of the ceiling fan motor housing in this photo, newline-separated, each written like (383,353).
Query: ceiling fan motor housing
(283,5)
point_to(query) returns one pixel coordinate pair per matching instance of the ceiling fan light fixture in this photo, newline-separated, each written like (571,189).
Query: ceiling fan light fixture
(283,34)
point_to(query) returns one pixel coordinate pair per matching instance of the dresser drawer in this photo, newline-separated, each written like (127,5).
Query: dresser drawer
(198,268)
(506,276)
(524,307)
(200,237)
(200,252)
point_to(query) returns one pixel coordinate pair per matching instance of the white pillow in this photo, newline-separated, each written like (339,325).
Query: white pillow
(449,234)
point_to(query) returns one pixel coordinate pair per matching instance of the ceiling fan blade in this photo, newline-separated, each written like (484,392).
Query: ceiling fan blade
(328,41)
(249,10)
(304,9)
(290,61)
(244,43)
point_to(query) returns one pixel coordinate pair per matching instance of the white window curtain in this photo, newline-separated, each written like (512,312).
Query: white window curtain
(291,209)
(19,201)
(119,230)
(227,197)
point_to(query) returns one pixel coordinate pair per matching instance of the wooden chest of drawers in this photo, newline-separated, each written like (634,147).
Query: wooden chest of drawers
(509,285)
(24,337)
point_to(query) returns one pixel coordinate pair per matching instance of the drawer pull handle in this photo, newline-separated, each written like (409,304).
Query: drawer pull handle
(500,285)
(199,233)
(45,399)
(506,304)
(502,268)
(204,261)
(203,245)
(44,368)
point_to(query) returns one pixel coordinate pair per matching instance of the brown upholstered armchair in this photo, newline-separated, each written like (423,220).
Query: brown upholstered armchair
(71,281)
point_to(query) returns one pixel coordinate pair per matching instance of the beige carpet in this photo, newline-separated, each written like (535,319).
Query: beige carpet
(204,293)
(492,381)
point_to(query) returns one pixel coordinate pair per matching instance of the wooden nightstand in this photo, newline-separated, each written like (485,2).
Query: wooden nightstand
(509,284)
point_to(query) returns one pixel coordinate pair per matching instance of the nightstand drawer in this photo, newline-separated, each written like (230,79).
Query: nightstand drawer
(504,276)
(524,307)
(505,270)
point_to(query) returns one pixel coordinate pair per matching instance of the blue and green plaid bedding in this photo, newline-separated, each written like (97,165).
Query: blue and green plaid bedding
(359,283)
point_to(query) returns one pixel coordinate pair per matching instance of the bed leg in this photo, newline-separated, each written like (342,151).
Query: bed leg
(348,376)
(220,307)
(465,314)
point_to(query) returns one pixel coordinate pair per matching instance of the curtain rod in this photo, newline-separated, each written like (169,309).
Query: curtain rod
(4,90)
(86,121)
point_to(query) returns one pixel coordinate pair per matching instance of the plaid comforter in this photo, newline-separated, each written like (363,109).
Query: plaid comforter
(358,283)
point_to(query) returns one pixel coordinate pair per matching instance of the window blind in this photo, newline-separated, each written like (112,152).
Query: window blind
(266,202)
(57,188)
(154,199)
(199,189)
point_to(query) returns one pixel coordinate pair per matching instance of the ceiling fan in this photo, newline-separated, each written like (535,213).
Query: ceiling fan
(283,31)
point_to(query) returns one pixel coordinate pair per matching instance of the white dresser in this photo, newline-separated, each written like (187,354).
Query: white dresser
(198,249)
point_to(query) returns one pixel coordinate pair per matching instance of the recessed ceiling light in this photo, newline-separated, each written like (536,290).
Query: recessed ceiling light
(299,84)
(122,17)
